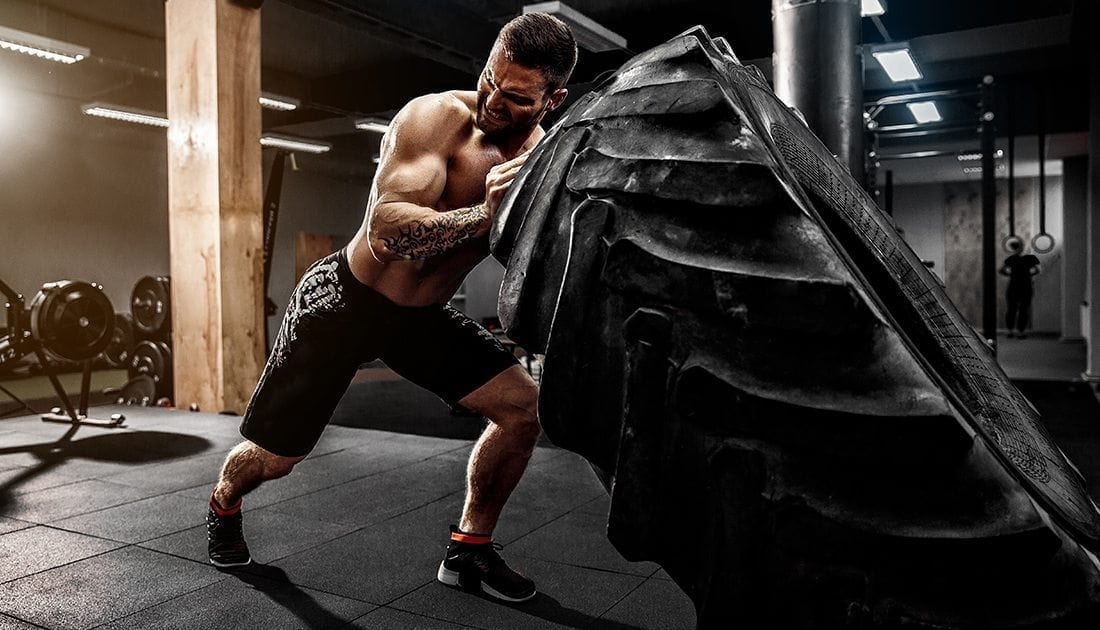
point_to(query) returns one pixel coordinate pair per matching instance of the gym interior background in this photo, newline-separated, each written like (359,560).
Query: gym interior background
(85,197)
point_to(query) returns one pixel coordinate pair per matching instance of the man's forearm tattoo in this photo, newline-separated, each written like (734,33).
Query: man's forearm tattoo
(424,239)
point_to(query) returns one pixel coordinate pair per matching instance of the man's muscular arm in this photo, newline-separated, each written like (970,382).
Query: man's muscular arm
(433,236)
(412,175)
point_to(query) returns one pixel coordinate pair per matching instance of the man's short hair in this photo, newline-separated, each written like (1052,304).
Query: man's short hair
(543,42)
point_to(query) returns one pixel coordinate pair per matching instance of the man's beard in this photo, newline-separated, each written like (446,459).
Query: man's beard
(492,126)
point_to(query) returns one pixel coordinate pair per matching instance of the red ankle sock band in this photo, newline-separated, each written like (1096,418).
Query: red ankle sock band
(471,539)
(229,511)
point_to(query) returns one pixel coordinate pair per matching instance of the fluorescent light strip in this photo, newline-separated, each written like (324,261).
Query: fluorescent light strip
(870,8)
(973,156)
(43,47)
(377,125)
(125,114)
(925,112)
(294,144)
(898,64)
(279,103)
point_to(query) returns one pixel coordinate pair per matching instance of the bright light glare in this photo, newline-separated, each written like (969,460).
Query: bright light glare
(898,64)
(872,7)
(925,112)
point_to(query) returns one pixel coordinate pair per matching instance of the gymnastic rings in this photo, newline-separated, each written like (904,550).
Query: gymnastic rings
(1042,243)
(1010,241)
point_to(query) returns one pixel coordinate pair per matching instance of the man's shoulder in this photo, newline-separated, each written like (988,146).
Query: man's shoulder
(453,105)
(435,118)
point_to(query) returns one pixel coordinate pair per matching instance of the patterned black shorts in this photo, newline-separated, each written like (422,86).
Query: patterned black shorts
(334,324)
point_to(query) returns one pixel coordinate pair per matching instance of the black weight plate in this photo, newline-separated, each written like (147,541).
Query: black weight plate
(121,346)
(165,384)
(147,359)
(149,305)
(73,320)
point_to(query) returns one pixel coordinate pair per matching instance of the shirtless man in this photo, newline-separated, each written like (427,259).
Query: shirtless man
(445,165)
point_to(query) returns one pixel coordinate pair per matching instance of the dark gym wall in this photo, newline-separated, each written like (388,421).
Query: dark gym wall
(86,198)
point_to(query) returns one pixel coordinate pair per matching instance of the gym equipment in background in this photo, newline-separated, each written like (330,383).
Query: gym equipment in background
(68,320)
(789,414)
(150,307)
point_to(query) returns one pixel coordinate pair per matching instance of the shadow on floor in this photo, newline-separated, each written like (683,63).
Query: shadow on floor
(129,447)
(275,584)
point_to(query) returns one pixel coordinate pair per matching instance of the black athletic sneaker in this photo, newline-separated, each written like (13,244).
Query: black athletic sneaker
(225,540)
(472,567)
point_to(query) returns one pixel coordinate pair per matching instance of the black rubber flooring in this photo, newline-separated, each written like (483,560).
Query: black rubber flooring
(103,528)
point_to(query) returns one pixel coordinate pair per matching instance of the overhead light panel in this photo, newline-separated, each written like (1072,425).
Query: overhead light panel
(125,114)
(279,103)
(925,112)
(290,143)
(870,8)
(590,34)
(39,46)
(373,123)
(898,64)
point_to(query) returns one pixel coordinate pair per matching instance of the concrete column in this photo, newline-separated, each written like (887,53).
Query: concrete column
(1092,232)
(1074,244)
(818,68)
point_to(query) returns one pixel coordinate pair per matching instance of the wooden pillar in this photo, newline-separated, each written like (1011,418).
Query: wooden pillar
(215,201)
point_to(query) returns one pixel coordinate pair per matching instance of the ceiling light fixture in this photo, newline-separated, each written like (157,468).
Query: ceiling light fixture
(39,46)
(290,143)
(869,8)
(925,112)
(373,123)
(974,156)
(590,34)
(898,64)
(279,103)
(125,114)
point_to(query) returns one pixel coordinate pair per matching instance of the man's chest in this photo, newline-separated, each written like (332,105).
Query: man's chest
(466,171)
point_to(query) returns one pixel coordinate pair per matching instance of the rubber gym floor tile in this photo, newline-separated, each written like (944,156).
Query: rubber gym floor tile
(600,506)
(372,499)
(9,623)
(578,539)
(388,618)
(21,448)
(655,605)
(25,479)
(10,525)
(28,551)
(568,597)
(419,446)
(379,563)
(337,438)
(54,504)
(138,521)
(270,535)
(102,588)
(172,475)
(244,600)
